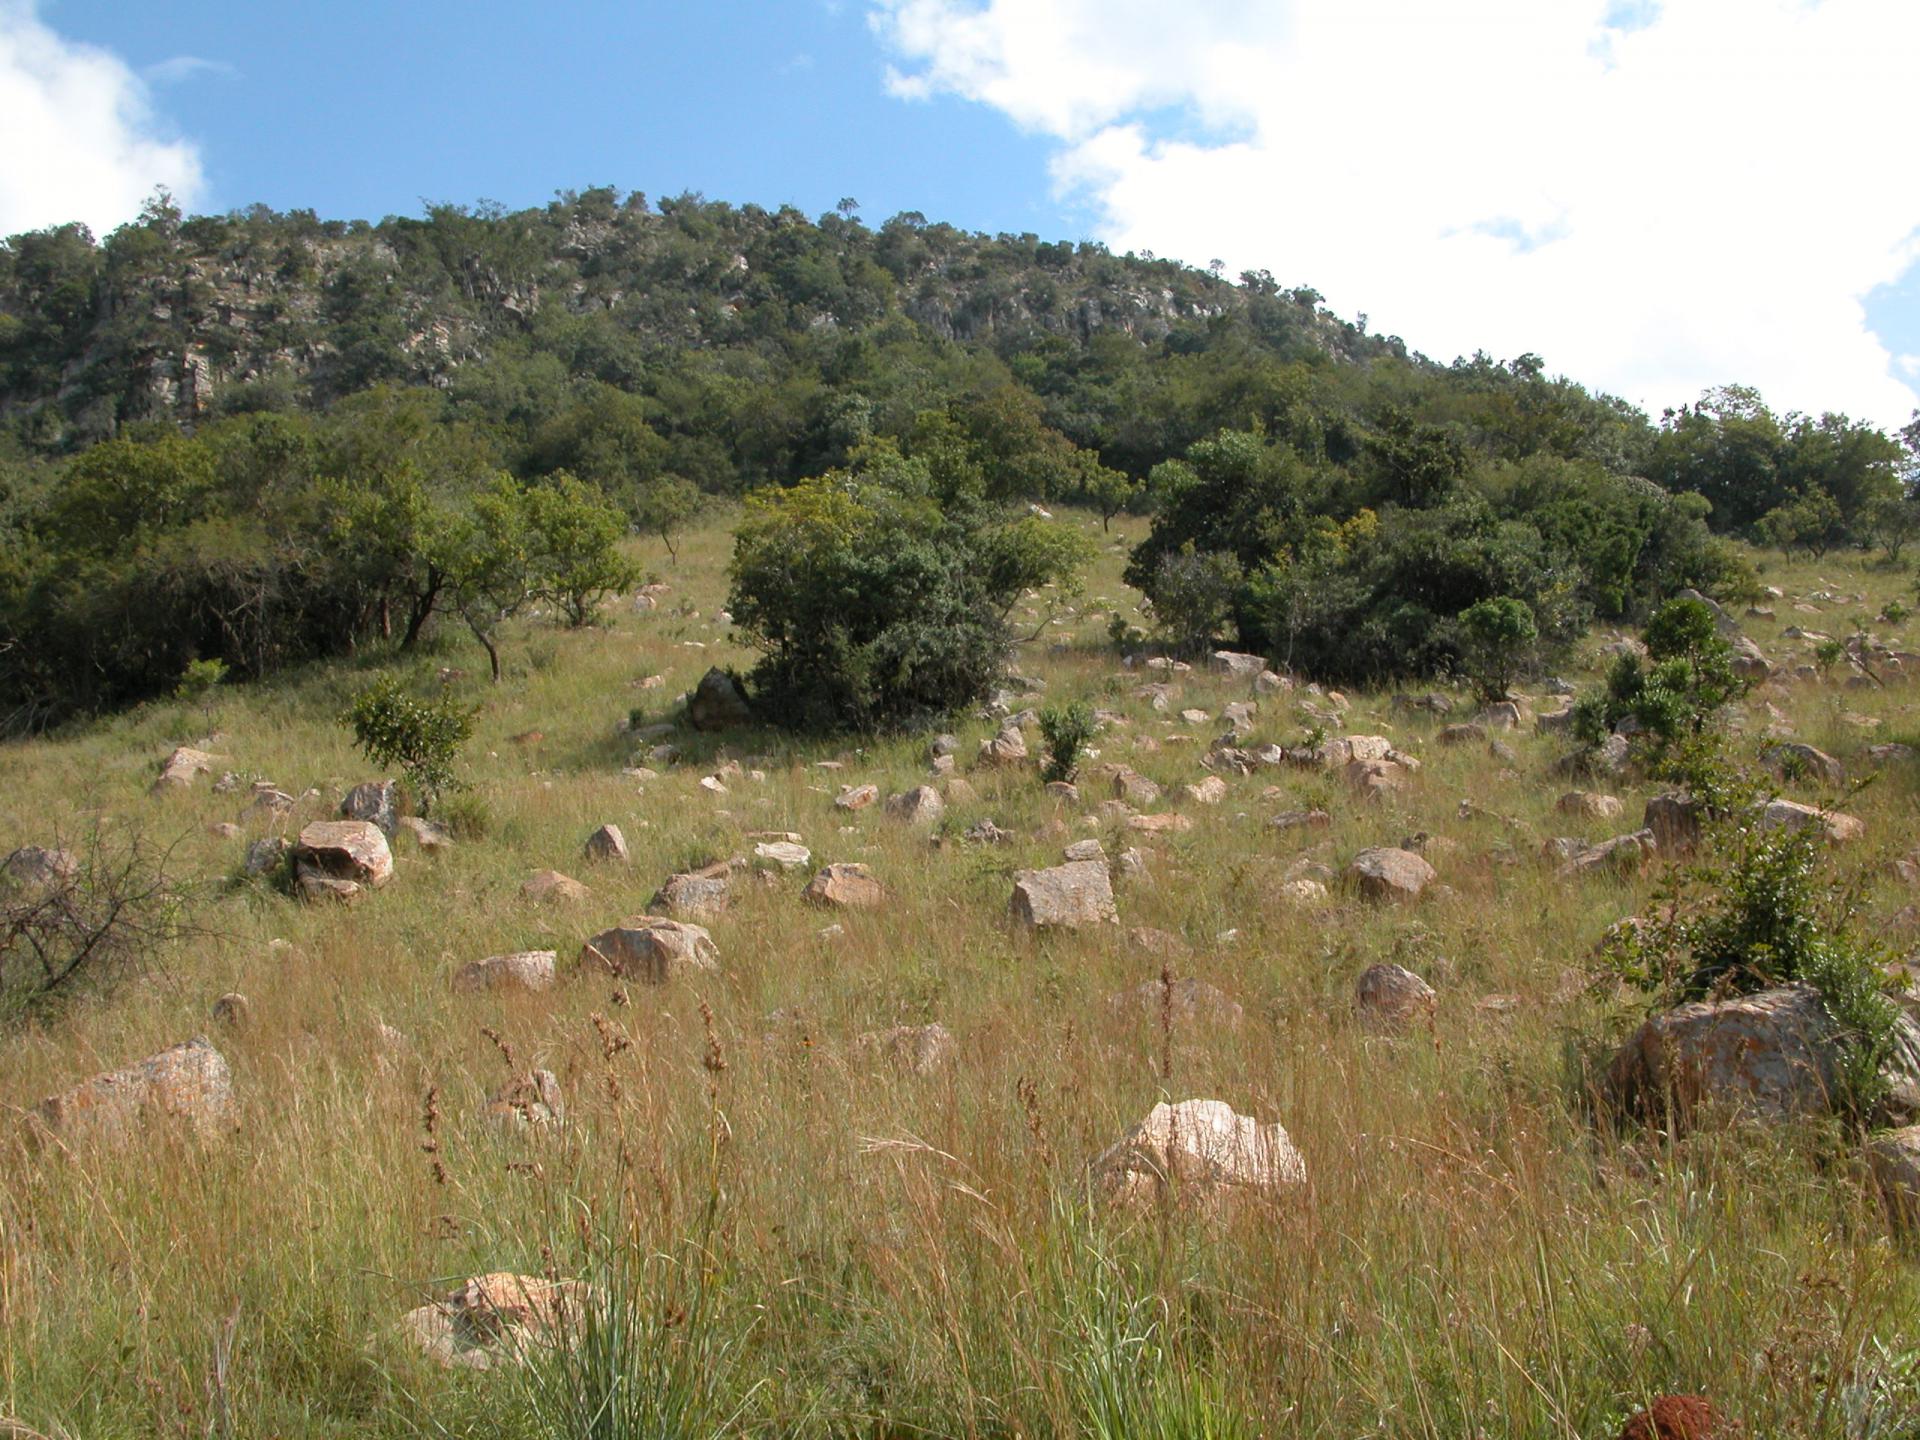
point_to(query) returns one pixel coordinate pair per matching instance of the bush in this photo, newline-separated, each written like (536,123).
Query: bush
(1496,634)
(422,737)
(1066,729)
(1677,693)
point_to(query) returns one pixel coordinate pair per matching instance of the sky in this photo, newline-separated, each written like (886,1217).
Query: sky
(1657,196)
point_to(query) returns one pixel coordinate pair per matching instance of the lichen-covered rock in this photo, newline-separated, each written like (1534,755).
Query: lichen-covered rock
(529,970)
(1199,1152)
(189,1082)
(1064,897)
(651,948)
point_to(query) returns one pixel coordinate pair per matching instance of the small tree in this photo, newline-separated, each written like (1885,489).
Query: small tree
(664,506)
(1496,634)
(1066,729)
(573,534)
(1193,595)
(1811,521)
(422,737)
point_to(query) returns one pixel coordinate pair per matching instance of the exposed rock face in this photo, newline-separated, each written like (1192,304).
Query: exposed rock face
(375,801)
(691,896)
(528,970)
(1385,873)
(718,703)
(1187,1002)
(189,1082)
(846,886)
(1393,998)
(916,1049)
(547,887)
(340,858)
(922,805)
(607,844)
(1201,1151)
(1831,824)
(1772,1054)
(1065,897)
(1791,759)
(497,1319)
(182,768)
(651,949)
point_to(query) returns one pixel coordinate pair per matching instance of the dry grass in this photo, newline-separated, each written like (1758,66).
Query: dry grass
(891,1255)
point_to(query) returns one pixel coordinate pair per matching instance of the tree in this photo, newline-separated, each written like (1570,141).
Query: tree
(1810,521)
(1893,522)
(573,534)
(1497,633)
(1109,491)
(422,737)
(664,506)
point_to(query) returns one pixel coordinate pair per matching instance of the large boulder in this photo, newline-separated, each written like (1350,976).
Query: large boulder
(528,970)
(1200,1151)
(718,703)
(375,801)
(652,949)
(846,885)
(1064,897)
(1385,873)
(190,1083)
(1772,1054)
(497,1319)
(340,858)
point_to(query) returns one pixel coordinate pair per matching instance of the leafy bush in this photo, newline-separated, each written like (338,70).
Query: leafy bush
(1496,634)
(200,678)
(1678,692)
(422,737)
(1066,729)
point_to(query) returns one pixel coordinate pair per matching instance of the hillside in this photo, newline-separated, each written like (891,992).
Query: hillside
(816,1223)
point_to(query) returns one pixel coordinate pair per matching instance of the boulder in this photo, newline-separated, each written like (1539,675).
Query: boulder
(1084,850)
(547,887)
(182,768)
(1064,897)
(922,805)
(1134,788)
(1374,778)
(781,855)
(694,896)
(528,970)
(1622,854)
(375,801)
(1007,748)
(1894,1157)
(1392,998)
(1236,664)
(1187,1002)
(856,797)
(916,1049)
(332,854)
(1589,805)
(651,949)
(607,844)
(1792,760)
(1772,1054)
(1385,873)
(846,886)
(36,868)
(497,1319)
(1201,1152)
(1675,820)
(718,703)
(1831,824)
(190,1083)
(429,835)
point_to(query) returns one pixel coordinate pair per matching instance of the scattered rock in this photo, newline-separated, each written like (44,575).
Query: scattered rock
(651,949)
(1590,805)
(264,856)
(1622,854)
(693,896)
(917,1049)
(34,867)
(856,797)
(189,1082)
(607,844)
(1675,820)
(1791,815)
(1792,760)
(782,855)
(1301,820)
(1467,734)
(182,768)
(1009,747)
(429,835)
(1084,850)
(496,1319)
(551,887)
(232,1010)
(375,801)
(1134,788)
(985,832)
(1393,998)
(1303,893)
(846,886)
(340,858)
(529,1102)
(528,970)
(1187,1001)
(1064,897)
(718,703)
(1235,664)
(1202,1152)
(923,805)
(1385,873)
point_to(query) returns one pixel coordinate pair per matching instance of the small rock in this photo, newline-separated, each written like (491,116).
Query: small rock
(528,970)
(691,896)
(1007,748)
(1203,1152)
(1393,998)
(1084,850)
(923,806)
(1389,874)
(233,1010)
(651,949)
(1064,897)
(1589,805)
(551,887)
(856,797)
(846,886)
(182,768)
(782,855)
(607,844)
(916,1049)
(1210,791)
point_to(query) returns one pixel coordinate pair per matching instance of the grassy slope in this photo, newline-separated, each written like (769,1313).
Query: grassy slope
(1469,1260)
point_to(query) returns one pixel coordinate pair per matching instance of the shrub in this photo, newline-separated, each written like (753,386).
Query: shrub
(1193,597)
(1496,634)
(1066,729)
(1678,692)
(422,737)
(200,678)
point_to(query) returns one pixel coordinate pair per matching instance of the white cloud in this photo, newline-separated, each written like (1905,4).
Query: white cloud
(82,141)
(1656,198)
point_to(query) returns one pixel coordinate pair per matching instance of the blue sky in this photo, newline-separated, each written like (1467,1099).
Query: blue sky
(361,109)
(1658,196)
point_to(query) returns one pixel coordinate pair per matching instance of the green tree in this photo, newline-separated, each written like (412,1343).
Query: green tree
(573,533)
(664,506)
(422,737)
(1497,633)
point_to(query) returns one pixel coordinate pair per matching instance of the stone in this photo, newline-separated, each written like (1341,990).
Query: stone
(264,856)
(232,1010)
(1134,788)
(1501,715)
(268,803)
(1267,682)
(856,797)
(190,1083)
(1623,854)
(529,970)
(782,855)
(1374,778)
(1467,734)
(923,806)
(1187,1002)
(915,1049)
(375,801)
(429,835)
(333,852)
(1680,1417)
(846,886)
(37,868)
(1385,873)
(1590,805)
(1007,748)
(943,747)
(497,1319)
(1210,791)
(1791,815)
(696,896)
(182,768)
(1772,1054)
(1131,864)
(1084,850)
(607,844)
(1165,824)
(529,1102)
(985,832)
(651,949)
(1235,664)
(1393,998)
(1201,1151)
(1301,820)
(1792,760)
(1675,820)
(1303,893)
(1890,754)
(718,703)
(549,887)
(1063,792)
(1894,1158)
(1064,897)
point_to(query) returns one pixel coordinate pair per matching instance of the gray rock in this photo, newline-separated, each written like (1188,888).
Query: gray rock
(36,868)
(1393,998)
(691,896)
(375,801)
(651,949)
(607,844)
(332,853)
(923,805)
(718,703)
(1385,873)
(1198,1152)
(529,970)
(1792,759)
(1065,897)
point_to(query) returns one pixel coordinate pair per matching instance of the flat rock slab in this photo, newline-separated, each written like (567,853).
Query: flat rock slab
(1064,897)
